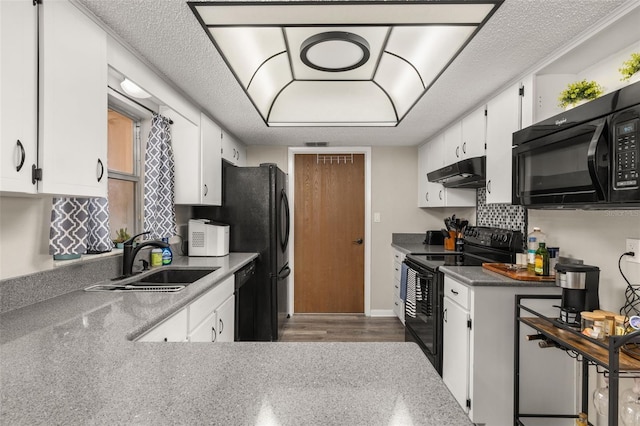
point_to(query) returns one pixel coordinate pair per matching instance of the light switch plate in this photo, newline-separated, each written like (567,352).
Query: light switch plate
(376,217)
(633,244)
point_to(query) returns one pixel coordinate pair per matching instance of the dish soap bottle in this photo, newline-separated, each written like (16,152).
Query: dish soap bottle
(542,260)
(167,254)
(533,239)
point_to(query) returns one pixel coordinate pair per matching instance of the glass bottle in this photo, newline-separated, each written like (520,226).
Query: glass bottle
(542,260)
(601,398)
(630,405)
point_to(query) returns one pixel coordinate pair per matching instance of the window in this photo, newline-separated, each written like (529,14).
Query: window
(124,172)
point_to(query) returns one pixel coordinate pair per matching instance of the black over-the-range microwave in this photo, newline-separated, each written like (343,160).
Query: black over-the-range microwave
(585,158)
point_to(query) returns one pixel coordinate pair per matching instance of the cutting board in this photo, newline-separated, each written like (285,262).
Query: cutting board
(520,274)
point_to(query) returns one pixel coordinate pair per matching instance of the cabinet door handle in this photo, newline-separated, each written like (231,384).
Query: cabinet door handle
(221,325)
(440,194)
(457,151)
(396,286)
(101,173)
(22,155)
(489,186)
(464,147)
(454,292)
(206,190)
(444,315)
(426,196)
(213,334)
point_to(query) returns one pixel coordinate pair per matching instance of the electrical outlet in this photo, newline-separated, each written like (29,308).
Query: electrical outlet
(633,244)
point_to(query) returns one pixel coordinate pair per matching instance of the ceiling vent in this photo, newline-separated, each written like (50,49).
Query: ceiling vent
(315,144)
(339,63)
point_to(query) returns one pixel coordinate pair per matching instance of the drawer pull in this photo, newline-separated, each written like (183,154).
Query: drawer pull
(454,292)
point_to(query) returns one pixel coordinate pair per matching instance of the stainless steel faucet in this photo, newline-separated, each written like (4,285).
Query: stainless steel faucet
(130,252)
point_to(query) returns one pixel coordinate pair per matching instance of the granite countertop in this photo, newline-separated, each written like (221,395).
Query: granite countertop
(413,244)
(479,276)
(71,360)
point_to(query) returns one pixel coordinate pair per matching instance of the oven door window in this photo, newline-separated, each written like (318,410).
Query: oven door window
(422,320)
(556,168)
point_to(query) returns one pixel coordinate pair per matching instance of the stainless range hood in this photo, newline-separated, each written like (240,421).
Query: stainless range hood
(468,173)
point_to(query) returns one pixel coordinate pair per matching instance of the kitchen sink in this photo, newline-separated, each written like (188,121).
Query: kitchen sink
(174,276)
(161,281)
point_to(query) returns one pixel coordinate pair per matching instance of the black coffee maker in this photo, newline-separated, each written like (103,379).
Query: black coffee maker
(579,285)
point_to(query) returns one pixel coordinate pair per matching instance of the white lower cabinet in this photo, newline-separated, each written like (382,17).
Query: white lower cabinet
(173,329)
(398,304)
(210,318)
(478,354)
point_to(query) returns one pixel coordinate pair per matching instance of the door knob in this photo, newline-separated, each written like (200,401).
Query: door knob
(358,241)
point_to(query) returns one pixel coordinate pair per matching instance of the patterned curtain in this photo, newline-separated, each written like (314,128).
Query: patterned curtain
(79,226)
(159,170)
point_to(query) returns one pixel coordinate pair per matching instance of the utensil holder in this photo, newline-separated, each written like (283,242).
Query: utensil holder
(450,243)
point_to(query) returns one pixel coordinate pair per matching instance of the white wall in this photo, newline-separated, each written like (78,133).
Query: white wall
(24,235)
(598,238)
(394,186)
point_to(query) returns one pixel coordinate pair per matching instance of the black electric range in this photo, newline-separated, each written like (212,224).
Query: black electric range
(425,283)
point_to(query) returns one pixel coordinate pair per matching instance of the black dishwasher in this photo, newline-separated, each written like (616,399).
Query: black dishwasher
(245,284)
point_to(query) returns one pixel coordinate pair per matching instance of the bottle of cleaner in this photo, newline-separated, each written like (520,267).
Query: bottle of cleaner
(533,239)
(167,254)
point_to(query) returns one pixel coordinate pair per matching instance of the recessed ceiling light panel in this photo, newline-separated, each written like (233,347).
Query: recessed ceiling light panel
(339,62)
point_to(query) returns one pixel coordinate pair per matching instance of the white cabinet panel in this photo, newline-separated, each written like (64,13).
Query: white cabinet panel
(455,360)
(19,100)
(225,318)
(503,115)
(452,144)
(398,304)
(474,129)
(205,331)
(211,187)
(73,102)
(185,141)
(207,303)
(174,329)
(233,151)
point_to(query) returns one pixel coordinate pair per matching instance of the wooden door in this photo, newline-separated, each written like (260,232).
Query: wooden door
(329,233)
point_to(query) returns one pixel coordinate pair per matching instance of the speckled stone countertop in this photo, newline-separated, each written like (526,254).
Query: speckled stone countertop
(413,244)
(479,276)
(70,360)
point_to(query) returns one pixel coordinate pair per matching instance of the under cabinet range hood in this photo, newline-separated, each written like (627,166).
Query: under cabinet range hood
(467,173)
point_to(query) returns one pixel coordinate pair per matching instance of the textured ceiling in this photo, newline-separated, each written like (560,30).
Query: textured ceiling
(520,34)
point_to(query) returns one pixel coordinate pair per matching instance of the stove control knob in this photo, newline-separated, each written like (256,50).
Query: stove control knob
(504,238)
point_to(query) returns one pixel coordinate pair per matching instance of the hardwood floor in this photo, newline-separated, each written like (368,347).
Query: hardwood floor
(342,328)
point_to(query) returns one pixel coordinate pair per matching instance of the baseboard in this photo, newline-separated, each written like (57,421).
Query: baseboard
(382,313)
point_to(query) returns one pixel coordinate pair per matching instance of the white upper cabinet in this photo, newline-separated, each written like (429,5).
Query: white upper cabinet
(431,194)
(233,151)
(19,100)
(196,150)
(474,131)
(211,140)
(432,156)
(185,141)
(452,145)
(466,138)
(503,118)
(72,127)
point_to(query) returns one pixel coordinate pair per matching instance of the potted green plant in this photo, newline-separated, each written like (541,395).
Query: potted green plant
(630,68)
(121,236)
(579,92)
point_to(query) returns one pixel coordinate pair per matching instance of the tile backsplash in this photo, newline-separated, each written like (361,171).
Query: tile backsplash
(500,215)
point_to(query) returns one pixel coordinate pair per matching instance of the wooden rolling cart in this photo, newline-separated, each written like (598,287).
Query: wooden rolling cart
(606,354)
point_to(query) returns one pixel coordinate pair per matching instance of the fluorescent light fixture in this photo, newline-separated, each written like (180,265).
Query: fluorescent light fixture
(132,89)
(342,62)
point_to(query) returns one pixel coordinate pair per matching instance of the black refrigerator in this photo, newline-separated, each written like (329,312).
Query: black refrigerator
(256,208)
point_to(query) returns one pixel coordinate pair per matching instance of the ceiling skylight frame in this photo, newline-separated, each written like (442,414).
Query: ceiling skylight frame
(241,10)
